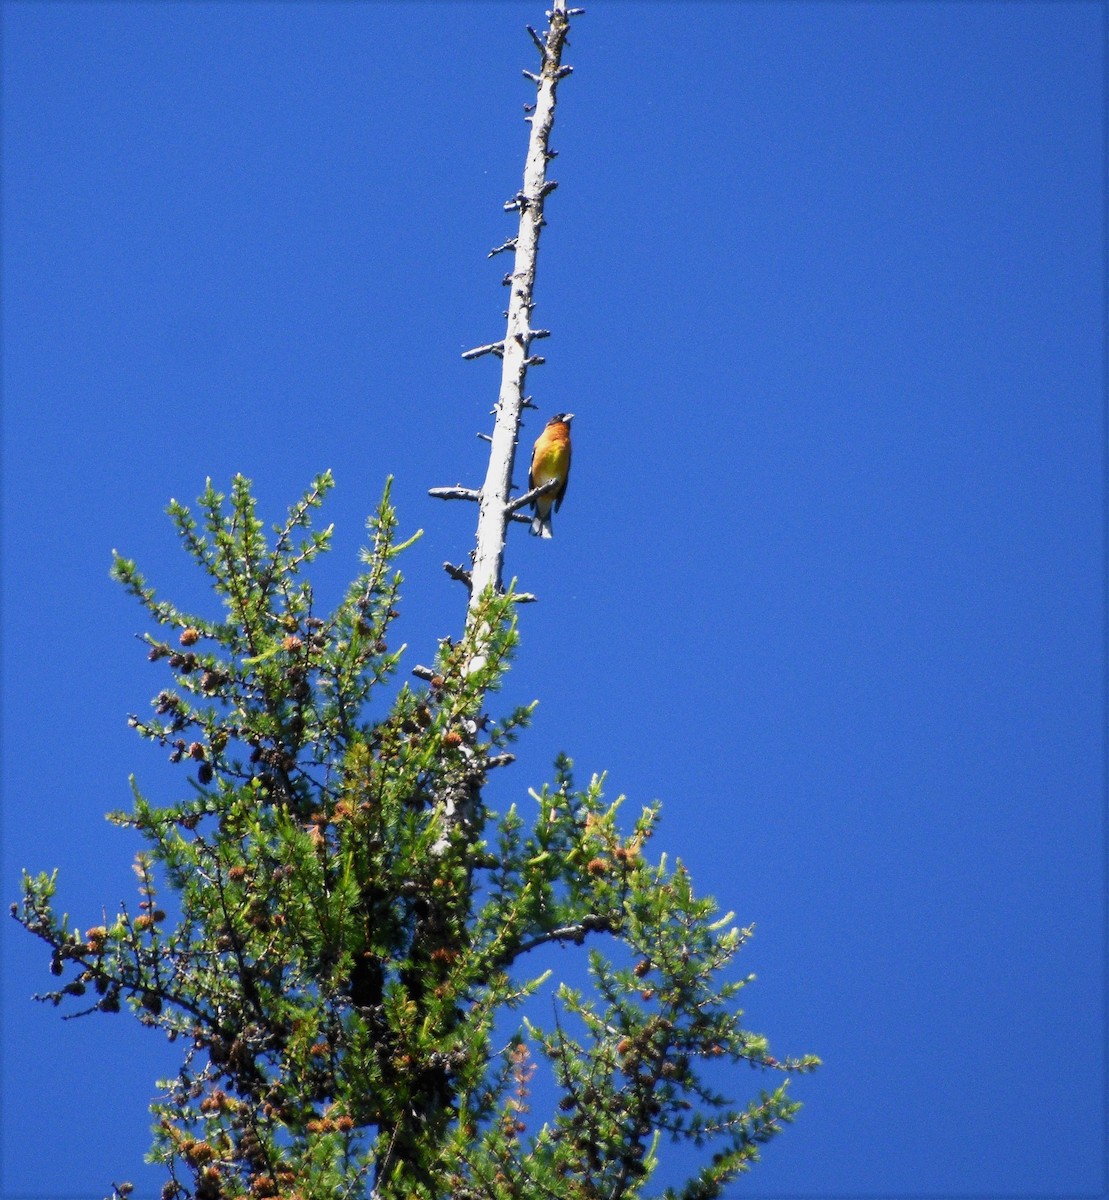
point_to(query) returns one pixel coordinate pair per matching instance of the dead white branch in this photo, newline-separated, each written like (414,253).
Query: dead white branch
(458,802)
(519,502)
(454,493)
(495,507)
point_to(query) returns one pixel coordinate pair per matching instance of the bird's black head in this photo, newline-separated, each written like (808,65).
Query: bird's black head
(565,418)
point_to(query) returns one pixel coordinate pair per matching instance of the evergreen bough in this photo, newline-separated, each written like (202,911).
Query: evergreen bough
(335,973)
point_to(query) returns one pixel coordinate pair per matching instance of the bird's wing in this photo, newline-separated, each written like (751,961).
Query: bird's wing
(565,481)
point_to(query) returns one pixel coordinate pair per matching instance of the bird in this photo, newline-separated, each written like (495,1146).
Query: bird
(550,459)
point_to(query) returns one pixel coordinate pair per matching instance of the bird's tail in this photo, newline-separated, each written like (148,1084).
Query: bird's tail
(541,526)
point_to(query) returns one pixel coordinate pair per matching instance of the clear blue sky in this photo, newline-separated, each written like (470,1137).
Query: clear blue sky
(825,282)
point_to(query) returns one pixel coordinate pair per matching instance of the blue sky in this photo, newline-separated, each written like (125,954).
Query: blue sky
(825,283)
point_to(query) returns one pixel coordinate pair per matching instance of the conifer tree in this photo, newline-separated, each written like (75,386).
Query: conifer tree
(332,925)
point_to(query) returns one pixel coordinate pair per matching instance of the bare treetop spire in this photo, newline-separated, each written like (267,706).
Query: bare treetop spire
(495,507)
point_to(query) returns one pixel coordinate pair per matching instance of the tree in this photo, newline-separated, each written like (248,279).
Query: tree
(348,924)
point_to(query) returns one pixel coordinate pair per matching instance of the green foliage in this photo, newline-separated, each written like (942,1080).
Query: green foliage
(350,923)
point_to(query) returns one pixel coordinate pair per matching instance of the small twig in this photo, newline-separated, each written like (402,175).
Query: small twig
(542,45)
(485,437)
(501,249)
(496,348)
(454,493)
(590,923)
(499,760)
(550,486)
(459,573)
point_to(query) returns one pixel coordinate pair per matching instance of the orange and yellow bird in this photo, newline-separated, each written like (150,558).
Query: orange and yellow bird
(550,459)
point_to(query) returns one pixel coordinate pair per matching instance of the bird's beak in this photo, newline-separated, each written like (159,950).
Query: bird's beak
(568,418)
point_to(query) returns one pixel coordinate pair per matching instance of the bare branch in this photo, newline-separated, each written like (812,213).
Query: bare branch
(592,923)
(521,501)
(459,573)
(454,493)
(509,245)
(496,509)
(496,348)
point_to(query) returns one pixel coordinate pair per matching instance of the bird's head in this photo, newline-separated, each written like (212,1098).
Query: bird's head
(561,418)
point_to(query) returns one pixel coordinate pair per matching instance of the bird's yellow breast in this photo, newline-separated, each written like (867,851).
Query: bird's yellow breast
(550,463)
